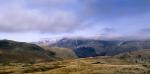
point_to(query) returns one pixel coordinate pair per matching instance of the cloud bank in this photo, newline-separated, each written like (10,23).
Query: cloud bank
(18,18)
(86,18)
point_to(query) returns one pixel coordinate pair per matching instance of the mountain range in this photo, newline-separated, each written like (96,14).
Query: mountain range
(92,47)
(68,48)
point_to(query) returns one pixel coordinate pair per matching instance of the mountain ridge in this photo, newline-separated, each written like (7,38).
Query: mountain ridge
(22,52)
(103,47)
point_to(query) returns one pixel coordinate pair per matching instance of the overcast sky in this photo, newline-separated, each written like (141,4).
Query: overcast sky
(32,20)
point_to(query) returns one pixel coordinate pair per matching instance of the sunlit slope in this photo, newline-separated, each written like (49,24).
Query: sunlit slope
(62,53)
(97,65)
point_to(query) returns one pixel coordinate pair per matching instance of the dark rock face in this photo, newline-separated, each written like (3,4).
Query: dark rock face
(85,52)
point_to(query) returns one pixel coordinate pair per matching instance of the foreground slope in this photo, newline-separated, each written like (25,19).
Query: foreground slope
(97,65)
(11,51)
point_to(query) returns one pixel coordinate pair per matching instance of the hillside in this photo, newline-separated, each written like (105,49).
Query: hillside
(71,61)
(140,56)
(11,51)
(62,53)
(101,47)
(97,65)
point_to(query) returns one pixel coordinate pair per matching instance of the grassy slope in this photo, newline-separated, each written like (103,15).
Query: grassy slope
(120,64)
(98,65)
(63,53)
(12,51)
(140,56)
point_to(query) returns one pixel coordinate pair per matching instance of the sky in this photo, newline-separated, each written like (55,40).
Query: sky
(33,20)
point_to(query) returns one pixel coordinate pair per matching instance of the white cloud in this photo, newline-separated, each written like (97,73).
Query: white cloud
(15,17)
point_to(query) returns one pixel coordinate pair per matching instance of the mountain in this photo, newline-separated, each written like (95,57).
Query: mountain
(22,52)
(83,47)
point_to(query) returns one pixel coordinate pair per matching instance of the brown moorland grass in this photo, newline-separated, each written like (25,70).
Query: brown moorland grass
(98,65)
